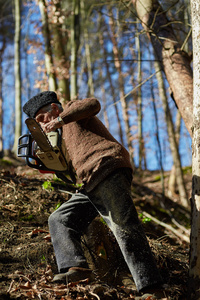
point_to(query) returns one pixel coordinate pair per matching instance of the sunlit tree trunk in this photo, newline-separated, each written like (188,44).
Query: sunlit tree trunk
(120,133)
(18,114)
(105,115)
(48,51)
(1,113)
(121,88)
(87,50)
(172,178)
(139,103)
(176,63)
(61,59)
(75,40)
(194,270)
(1,96)
(159,153)
(172,137)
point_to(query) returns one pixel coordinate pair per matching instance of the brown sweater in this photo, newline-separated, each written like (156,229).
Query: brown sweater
(93,151)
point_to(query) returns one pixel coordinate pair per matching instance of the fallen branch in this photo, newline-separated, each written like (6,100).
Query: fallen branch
(182,236)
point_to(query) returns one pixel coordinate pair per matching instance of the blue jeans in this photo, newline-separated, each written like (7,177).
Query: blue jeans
(112,200)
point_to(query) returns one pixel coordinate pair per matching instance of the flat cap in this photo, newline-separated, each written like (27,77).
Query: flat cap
(34,104)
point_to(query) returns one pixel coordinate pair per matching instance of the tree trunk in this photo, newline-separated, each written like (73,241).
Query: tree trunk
(121,89)
(159,152)
(75,40)
(172,178)
(103,92)
(194,270)
(18,114)
(172,138)
(61,61)
(175,61)
(1,96)
(87,50)
(101,41)
(48,51)
(139,103)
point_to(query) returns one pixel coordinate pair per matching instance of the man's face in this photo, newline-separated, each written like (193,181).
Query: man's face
(44,116)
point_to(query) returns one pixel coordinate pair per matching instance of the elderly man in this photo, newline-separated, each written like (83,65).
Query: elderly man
(103,165)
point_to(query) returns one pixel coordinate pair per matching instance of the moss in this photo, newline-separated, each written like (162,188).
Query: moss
(5,162)
(187,170)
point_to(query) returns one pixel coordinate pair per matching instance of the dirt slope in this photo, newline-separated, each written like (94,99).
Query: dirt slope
(27,261)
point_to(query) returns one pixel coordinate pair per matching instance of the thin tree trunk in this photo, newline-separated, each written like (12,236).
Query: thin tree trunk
(1,110)
(75,40)
(101,41)
(87,50)
(1,96)
(18,114)
(172,137)
(172,178)
(159,152)
(194,270)
(61,63)
(48,51)
(175,61)
(121,89)
(139,103)
(103,92)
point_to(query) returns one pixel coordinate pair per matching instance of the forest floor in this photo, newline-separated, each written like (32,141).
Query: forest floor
(27,261)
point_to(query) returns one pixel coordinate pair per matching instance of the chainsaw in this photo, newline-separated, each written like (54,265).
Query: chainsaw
(45,152)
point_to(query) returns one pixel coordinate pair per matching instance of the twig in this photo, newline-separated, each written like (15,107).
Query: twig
(169,227)
(66,192)
(10,287)
(9,209)
(95,295)
(9,185)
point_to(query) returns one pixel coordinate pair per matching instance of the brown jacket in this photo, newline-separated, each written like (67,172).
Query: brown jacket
(94,152)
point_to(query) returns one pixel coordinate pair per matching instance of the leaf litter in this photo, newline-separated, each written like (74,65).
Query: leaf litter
(27,261)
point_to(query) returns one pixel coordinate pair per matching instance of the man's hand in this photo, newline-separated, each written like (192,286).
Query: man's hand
(51,126)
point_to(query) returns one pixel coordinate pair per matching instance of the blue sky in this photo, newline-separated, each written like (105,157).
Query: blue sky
(149,120)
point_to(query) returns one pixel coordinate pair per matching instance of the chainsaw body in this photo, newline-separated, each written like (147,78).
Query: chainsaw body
(53,159)
(45,152)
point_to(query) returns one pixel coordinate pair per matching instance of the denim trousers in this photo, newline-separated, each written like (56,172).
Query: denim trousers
(112,200)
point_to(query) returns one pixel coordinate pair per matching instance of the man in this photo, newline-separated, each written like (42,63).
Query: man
(103,165)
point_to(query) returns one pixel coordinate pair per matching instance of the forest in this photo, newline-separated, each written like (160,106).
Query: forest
(140,59)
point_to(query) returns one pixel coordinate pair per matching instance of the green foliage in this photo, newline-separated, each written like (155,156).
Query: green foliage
(102,221)
(27,218)
(144,219)
(43,259)
(4,162)
(187,170)
(57,206)
(47,185)
(157,178)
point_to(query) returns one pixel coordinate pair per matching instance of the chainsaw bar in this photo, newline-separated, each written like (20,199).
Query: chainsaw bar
(38,135)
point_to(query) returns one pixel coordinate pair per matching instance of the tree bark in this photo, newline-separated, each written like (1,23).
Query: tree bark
(172,138)
(175,62)
(18,114)
(75,40)
(139,104)
(48,51)
(61,60)
(101,41)
(1,96)
(87,51)
(172,184)
(121,89)
(194,270)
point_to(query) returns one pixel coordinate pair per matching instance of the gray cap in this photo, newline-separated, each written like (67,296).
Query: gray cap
(32,106)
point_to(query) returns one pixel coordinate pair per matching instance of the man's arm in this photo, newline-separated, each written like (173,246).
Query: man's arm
(80,109)
(74,111)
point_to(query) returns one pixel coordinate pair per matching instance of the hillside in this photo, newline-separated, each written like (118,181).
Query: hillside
(27,261)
